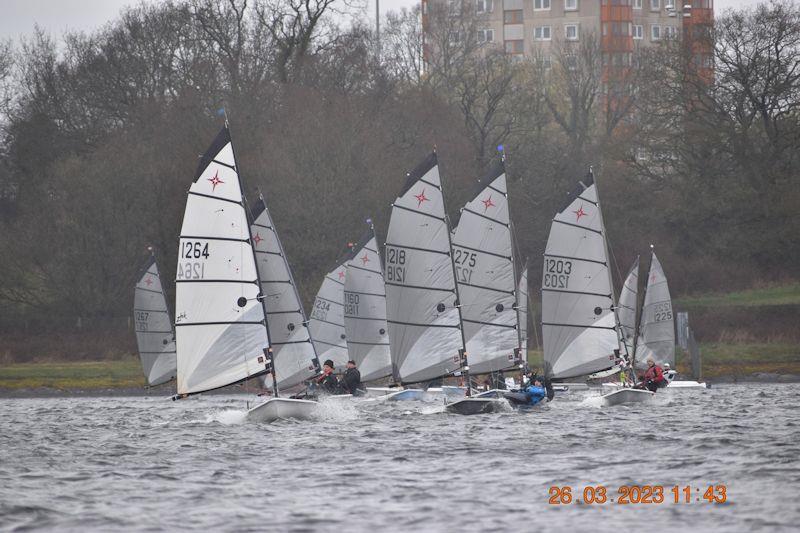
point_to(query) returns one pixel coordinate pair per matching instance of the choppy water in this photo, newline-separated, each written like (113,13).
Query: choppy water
(150,464)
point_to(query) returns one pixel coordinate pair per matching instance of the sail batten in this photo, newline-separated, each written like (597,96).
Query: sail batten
(217,282)
(365,322)
(153,326)
(421,299)
(579,326)
(293,352)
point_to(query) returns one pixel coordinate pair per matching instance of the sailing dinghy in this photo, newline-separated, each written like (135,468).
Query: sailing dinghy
(292,350)
(222,333)
(155,336)
(486,276)
(422,298)
(579,322)
(657,326)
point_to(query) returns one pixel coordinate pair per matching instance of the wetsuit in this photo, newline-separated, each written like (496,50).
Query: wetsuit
(328,383)
(654,378)
(535,394)
(351,382)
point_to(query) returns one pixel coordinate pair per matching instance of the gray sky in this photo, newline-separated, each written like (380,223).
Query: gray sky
(17,17)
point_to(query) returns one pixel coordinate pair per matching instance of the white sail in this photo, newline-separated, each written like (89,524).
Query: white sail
(657,325)
(365,312)
(154,334)
(292,349)
(219,320)
(522,312)
(484,264)
(424,323)
(628,306)
(327,319)
(579,327)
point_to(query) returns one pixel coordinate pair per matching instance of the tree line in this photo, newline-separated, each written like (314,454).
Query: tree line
(102,132)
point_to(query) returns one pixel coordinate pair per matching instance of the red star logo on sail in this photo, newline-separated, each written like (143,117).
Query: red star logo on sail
(257,239)
(148,282)
(215,181)
(341,274)
(488,203)
(421,198)
(653,277)
(364,259)
(580,213)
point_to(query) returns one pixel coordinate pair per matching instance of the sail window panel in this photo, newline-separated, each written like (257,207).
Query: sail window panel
(228,260)
(279,298)
(434,350)
(482,234)
(490,349)
(287,327)
(219,355)
(219,181)
(292,364)
(216,302)
(212,218)
(582,351)
(160,368)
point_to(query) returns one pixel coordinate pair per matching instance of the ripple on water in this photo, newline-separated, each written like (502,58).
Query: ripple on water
(150,464)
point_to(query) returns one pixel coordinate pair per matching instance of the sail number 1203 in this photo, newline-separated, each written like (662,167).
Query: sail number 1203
(556,273)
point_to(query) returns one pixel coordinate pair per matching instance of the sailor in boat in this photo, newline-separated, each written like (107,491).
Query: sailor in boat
(653,377)
(351,380)
(327,382)
(669,374)
(529,396)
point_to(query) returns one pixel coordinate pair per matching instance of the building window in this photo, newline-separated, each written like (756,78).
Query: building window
(637,4)
(454,36)
(655,5)
(514,47)
(485,36)
(670,32)
(638,31)
(570,5)
(571,32)
(540,5)
(513,17)
(669,4)
(545,62)
(655,32)
(484,6)
(541,33)
(571,62)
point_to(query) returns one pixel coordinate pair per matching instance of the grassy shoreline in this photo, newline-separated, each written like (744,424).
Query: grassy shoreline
(721,362)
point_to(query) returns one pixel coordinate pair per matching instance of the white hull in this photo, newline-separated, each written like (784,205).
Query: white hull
(476,406)
(687,384)
(626,396)
(677,384)
(281,408)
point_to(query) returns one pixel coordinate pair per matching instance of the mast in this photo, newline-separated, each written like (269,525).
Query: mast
(269,363)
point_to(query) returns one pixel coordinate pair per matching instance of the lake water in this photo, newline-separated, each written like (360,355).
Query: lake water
(144,463)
